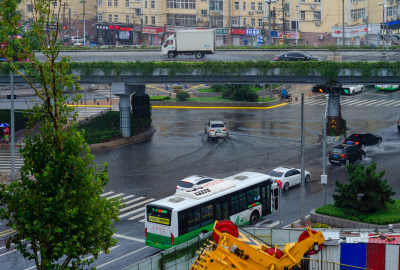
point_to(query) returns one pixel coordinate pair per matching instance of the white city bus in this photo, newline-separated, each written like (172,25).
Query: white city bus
(242,198)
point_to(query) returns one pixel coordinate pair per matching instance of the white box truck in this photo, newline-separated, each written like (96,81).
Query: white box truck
(197,42)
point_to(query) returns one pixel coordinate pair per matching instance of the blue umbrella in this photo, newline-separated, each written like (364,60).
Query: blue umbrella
(4,125)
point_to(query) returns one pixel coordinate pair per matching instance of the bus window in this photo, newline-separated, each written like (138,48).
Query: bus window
(225,212)
(182,223)
(207,215)
(242,201)
(253,195)
(234,204)
(193,219)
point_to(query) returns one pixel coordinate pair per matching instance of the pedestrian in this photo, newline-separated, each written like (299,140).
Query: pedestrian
(6,134)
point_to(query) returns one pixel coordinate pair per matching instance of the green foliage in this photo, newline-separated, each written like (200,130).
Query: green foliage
(240,92)
(389,215)
(320,225)
(55,207)
(218,87)
(182,96)
(159,98)
(366,191)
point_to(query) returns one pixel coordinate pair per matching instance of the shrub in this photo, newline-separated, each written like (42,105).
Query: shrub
(182,96)
(366,192)
(218,87)
(320,225)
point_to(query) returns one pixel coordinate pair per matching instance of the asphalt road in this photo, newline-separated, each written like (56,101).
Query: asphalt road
(260,140)
(130,56)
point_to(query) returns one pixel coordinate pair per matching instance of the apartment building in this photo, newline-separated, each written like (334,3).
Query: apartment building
(237,22)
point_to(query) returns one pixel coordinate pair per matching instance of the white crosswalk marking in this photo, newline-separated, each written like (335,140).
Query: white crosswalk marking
(135,205)
(365,102)
(391,103)
(397,103)
(346,101)
(5,160)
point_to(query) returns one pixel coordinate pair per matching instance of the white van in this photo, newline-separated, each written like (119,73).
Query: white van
(76,39)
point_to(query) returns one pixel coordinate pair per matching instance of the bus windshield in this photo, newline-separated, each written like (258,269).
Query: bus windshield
(159,215)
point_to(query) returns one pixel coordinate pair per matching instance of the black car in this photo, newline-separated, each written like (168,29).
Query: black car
(345,153)
(398,125)
(297,56)
(363,139)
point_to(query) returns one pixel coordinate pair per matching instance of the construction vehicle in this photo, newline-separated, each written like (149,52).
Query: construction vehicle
(228,251)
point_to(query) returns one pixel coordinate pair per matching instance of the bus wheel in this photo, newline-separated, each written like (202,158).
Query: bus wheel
(304,235)
(254,218)
(225,226)
(278,254)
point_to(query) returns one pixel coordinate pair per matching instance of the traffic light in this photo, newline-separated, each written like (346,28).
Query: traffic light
(321,89)
(64,27)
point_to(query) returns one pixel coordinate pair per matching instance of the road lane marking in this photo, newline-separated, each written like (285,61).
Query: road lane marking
(7,232)
(134,200)
(132,212)
(137,216)
(127,197)
(133,206)
(117,195)
(128,238)
(105,194)
(121,257)
(273,224)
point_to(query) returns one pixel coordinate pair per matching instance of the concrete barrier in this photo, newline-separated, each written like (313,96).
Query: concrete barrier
(215,104)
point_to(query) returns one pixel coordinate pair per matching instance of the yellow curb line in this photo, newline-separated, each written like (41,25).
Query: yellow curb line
(107,106)
(243,108)
(7,232)
(157,88)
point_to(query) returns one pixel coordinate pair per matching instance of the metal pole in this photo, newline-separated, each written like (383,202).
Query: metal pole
(387,31)
(343,23)
(279,207)
(12,129)
(84,24)
(271,92)
(263,86)
(297,23)
(324,176)
(366,6)
(269,23)
(303,191)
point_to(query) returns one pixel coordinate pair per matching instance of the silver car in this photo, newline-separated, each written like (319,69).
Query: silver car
(216,129)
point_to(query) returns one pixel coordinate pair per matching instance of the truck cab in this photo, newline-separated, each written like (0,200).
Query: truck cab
(168,48)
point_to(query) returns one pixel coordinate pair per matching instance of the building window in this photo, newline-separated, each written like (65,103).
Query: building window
(127,19)
(181,19)
(244,22)
(100,17)
(317,1)
(236,5)
(317,15)
(109,3)
(126,3)
(137,11)
(145,20)
(115,18)
(260,23)
(30,20)
(100,2)
(253,22)
(302,15)
(184,4)
(253,6)
(115,3)
(153,4)
(216,5)
(391,11)
(357,13)
(109,18)
(145,4)
(235,21)
(204,13)
(244,5)
(217,21)
(55,3)
(30,8)
(153,20)
(260,4)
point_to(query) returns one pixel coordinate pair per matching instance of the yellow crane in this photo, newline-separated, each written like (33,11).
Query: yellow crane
(227,251)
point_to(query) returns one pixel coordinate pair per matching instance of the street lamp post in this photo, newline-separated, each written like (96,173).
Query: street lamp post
(385,20)
(298,23)
(343,22)
(324,177)
(84,25)
(269,19)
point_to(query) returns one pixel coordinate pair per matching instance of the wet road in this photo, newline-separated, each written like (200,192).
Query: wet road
(260,140)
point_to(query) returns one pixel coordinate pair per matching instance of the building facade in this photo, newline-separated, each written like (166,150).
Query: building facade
(237,22)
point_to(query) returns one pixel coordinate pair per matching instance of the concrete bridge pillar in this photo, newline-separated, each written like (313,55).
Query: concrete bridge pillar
(125,92)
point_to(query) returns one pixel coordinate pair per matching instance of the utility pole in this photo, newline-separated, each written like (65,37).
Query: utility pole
(366,20)
(283,22)
(303,186)
(343,23)
(274,12)
(12,129)
(84,23)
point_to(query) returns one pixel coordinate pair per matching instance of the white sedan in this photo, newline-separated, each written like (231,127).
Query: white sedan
(288,176)
(193,182)
(216,129)
(353,89)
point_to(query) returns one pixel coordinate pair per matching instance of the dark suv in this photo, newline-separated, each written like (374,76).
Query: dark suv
(345,153)
(363,139)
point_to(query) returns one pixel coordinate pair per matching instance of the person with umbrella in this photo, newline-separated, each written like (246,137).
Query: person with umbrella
(6,131)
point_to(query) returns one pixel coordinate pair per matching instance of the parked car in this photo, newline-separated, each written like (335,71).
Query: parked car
(297,56)
(345,153)
(352,89)
(288,176)
(193,182)
(216,129)
(363,139)
(76,39)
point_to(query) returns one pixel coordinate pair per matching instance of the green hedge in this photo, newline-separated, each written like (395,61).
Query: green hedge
(159,98)
(389,215)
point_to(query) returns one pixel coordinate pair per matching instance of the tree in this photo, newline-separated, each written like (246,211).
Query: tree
(365,193)
(55,207)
